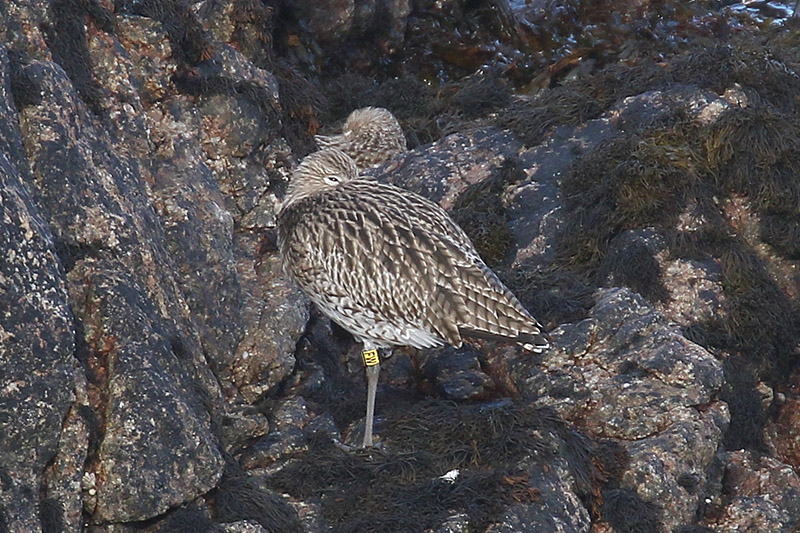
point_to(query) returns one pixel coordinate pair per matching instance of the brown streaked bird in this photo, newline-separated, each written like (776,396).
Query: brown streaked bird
(390,266)
(371,136)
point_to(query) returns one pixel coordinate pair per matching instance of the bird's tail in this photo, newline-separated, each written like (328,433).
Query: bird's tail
(536,342)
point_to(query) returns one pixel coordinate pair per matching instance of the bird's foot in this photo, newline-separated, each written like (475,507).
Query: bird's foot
(375,446)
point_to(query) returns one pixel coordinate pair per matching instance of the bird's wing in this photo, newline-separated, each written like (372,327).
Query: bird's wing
(382,250)
(365,256)
(463,295)
(484,305)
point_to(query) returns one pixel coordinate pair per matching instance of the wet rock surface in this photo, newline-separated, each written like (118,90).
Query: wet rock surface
(627,170)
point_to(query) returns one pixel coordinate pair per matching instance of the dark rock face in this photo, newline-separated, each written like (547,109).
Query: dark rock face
(159,373)
(156,450)
(37,341)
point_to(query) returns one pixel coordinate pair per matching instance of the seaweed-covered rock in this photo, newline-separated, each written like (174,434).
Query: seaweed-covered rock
(529,464)
(642,201)
(331,21)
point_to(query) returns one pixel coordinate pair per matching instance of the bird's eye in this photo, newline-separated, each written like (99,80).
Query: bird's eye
(332,179)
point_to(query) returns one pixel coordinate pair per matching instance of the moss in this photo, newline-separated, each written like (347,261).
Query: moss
(481,93)
(301,104)
(620,80)
(51,515)
(67,40)
(759,316)
(630,181)
(239,497)
(635,266)
(406,96)
(753,151)
(531,120)
(347,92)
(399,490)
(191,43)
(480,212)
(746,430)
(628,513)
(758,331)
(743,62)
(416,105)
(553,295)
(189,518)
(782,231)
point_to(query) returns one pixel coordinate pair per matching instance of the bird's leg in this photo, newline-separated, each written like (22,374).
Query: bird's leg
(373,364)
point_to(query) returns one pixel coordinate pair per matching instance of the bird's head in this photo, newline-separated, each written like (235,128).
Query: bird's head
(318,172)
(367,121)
(377,130)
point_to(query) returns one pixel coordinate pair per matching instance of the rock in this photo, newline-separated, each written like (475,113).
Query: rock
(781,432)
(239,426)
(536,204)
(243,24)
(443,170)
(207,178)
(243,526)
(645,194)
(457,374)
(156,451)
(331,20)
(145,385)
(37,343)
(150,54)
(624,373)
(275,313)
(198,231)
(555,506)
(458,523)
(762,494)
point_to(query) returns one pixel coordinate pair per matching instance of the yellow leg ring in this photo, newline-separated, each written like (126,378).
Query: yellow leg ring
(371,357)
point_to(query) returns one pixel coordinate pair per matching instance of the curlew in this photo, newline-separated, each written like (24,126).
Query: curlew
(370,135)
(390,266)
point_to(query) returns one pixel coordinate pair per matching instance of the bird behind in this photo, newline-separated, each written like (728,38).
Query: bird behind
(371,136)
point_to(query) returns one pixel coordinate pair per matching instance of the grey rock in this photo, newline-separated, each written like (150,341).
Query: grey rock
(458,523)
(457,373)
(243,526)
(443,170)
(198,231)
(625,373)
(156,450)
(210,166)
(239,425)
(147,47)
(536,204)
(99,209)
(331,21)
(556,507)
(763,494)
(37,343)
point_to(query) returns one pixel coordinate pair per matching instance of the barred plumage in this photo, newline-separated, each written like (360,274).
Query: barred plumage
(371,136)
(390,266)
